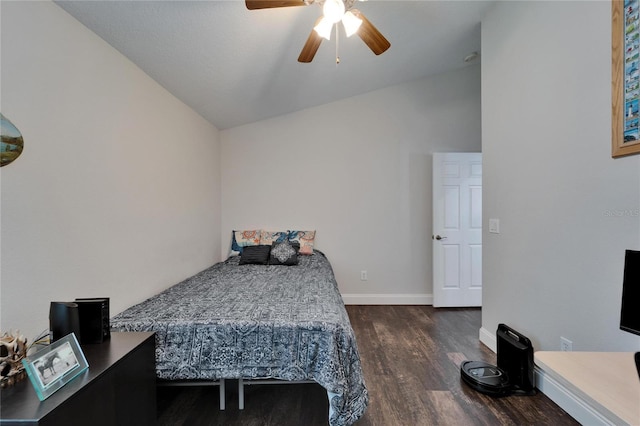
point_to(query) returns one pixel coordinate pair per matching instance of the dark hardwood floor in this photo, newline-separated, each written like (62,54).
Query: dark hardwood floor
(410,356)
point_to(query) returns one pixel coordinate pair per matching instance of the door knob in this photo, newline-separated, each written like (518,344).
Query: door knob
(438,237)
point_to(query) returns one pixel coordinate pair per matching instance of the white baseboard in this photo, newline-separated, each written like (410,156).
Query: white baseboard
(489,339)
(388,299)
(571,402)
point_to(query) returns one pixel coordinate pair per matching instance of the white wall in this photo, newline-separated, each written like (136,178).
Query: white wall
(359,172)
(567,209)
(117,191)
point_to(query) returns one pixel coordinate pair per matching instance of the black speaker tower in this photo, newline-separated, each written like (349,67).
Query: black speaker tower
(63,319)
(94,319)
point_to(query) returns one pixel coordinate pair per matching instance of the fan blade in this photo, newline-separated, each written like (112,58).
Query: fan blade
(311,46)
(370,35)
(268,4)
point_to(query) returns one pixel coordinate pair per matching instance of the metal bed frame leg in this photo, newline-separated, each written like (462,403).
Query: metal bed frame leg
(220,383)
(241,384)
(240,394)
(222,395)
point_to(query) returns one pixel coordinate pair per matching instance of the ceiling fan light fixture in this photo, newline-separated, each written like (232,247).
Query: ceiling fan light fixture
(351,23)
(353,20)
(333,10)
(324,28)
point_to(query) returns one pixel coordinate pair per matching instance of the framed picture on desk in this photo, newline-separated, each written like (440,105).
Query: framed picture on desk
(56,365)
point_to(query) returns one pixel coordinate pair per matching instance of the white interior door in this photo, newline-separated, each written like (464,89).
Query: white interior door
(457,229)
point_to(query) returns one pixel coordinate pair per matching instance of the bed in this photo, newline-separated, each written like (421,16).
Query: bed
(247,321)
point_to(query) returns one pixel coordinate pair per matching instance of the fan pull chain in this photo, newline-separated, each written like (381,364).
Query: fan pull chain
(337,43)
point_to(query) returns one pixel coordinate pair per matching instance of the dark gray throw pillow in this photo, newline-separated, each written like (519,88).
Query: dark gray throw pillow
(283,253)
(255,255)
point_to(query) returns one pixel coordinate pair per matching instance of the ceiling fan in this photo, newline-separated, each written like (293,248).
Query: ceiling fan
(333,11)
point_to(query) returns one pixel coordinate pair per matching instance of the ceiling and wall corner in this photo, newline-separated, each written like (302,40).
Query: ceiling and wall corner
(235,66)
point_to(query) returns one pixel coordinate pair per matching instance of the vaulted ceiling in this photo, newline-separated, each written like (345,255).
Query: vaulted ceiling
(235,66)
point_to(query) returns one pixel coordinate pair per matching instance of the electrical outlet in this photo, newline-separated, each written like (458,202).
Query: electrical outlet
(566,345)
(363,276)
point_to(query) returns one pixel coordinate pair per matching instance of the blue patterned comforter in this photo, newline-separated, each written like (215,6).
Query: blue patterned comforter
(257,321)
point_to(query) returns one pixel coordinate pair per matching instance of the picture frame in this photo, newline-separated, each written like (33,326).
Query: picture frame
(52,367)
(625,79)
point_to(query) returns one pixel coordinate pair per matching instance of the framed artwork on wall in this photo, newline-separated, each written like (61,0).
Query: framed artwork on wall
(11,141)
(625,79)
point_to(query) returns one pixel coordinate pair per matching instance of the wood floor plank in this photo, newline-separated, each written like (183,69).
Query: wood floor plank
(444,409)
(411,359)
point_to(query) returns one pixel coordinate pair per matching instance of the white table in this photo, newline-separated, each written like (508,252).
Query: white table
(606,382)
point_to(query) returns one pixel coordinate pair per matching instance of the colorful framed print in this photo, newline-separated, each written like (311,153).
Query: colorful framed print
(56,365)
(625,79)
(11,141)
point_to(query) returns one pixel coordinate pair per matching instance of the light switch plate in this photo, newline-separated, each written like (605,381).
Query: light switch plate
(494,226)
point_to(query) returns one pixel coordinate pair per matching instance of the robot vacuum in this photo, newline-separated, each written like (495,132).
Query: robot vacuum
(485,378)
(514,372)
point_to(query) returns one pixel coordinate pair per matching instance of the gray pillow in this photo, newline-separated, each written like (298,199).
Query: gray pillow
(255,255)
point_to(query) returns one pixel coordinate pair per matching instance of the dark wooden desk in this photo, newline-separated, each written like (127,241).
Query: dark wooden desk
(119,388)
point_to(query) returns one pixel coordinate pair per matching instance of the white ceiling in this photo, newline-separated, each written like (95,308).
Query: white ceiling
(235,66)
